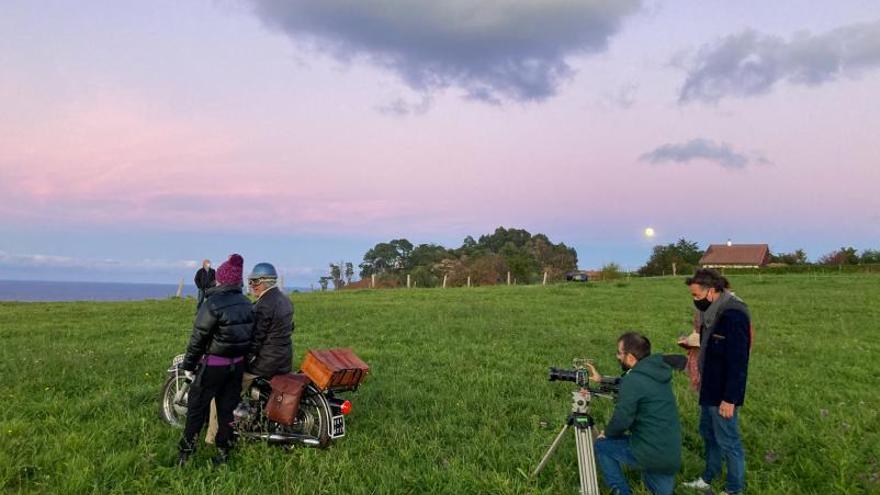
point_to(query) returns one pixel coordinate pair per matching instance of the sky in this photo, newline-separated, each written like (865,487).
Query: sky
(137,138)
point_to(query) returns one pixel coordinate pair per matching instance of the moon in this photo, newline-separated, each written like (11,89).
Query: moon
(649,232)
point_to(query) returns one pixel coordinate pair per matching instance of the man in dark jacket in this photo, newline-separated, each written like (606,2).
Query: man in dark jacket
(646,409)
(204,280)
(272,347)
(725,340)
(221,337)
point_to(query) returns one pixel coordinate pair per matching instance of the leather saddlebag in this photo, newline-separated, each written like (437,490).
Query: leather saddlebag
(287,390)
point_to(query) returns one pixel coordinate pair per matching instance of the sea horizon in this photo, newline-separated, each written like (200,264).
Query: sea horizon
(12,290)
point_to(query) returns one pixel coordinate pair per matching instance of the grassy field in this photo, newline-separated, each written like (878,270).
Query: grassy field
(458,401)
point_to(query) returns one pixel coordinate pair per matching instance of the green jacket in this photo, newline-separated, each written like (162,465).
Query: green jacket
(646,407)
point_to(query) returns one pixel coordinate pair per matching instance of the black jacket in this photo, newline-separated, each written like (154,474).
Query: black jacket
(223,327)
(727,360)
(205,278)
(272,348)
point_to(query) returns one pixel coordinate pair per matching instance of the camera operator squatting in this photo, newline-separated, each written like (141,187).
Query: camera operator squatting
(646,409)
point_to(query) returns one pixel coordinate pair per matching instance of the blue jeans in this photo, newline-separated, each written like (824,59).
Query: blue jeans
(612,454)
(721,437)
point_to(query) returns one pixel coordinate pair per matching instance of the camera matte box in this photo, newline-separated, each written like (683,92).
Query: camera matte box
(334,369)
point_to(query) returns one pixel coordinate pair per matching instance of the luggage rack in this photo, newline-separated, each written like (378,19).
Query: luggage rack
(337,370)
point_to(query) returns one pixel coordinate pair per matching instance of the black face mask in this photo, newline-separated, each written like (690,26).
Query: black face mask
(702,304)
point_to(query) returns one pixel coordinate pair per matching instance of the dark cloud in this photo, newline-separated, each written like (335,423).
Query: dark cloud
(751,63)
(493,50)
(703,149)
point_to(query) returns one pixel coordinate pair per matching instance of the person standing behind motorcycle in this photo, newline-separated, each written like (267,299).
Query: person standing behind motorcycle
(221,337)
(272,346)
(204,280)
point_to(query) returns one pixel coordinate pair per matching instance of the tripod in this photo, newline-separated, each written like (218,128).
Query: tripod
(583,435)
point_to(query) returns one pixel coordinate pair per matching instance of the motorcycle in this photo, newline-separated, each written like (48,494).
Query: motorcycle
(320,418)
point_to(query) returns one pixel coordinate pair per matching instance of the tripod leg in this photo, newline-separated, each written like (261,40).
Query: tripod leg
(550,451)
(586,461)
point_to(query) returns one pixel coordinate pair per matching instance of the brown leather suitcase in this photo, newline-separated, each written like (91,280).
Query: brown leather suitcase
(284,400)
(334,369)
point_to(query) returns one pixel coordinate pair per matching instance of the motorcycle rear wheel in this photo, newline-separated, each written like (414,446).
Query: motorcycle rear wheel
(311,428)
(313,417)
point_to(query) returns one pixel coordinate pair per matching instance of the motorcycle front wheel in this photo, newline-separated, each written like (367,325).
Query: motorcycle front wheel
(171,413)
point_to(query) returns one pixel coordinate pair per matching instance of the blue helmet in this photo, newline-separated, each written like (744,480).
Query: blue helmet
(263,270)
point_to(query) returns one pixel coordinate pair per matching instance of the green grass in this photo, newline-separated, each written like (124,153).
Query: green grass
(458,400)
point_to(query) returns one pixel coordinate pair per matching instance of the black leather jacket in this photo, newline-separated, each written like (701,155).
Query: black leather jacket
(272,348)
(223,326)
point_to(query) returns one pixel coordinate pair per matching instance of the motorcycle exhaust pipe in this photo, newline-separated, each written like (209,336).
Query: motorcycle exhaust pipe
(275,438)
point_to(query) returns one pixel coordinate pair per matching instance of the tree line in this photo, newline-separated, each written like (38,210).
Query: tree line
(527,257)
(686,256)
(485,261)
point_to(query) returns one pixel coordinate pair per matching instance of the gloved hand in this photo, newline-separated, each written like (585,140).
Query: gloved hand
(189,375)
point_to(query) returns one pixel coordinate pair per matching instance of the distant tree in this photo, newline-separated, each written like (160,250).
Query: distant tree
(336,276)
(522,266)
(842,256)
(423,276)
(799,257)
(685,254)
(611,271)
(349,272)
(501,237)
(324,281)
(468,246)
(386,257)
(870,256)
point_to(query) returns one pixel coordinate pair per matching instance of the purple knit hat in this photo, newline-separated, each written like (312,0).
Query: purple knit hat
(229,272)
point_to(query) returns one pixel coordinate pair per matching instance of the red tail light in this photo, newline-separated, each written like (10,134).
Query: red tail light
(345,408)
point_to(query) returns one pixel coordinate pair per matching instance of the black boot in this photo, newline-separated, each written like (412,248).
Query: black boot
(185,450)
(222,456)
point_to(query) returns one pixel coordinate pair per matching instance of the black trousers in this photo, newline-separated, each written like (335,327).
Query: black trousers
(223,384)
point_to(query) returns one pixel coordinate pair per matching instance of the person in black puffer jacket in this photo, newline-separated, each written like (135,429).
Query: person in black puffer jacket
(221,337)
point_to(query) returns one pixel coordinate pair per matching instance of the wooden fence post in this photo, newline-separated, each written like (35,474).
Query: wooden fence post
(508,278)
(545,279)
(180,288)
(444,281)
(408,286)
(673,269)
(373,281)
(469,280)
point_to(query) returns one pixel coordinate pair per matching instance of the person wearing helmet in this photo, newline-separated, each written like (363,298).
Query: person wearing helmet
(272,345)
